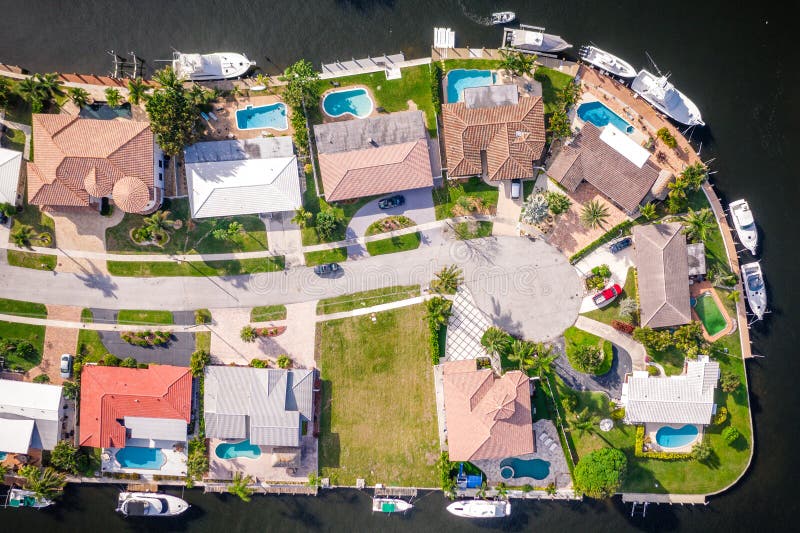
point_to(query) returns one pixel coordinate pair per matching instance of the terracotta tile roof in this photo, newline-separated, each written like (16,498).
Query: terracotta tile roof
(487,417)
(109,394)
(373,171)
(513,137)
(77,157)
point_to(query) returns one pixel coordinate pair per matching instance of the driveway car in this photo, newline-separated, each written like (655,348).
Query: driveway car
(392,201)
(516,187)
(66,365)
(606,296)
(620,245)
(327,269)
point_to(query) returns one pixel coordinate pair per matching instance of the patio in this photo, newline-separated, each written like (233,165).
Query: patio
(465,329)
(651,445)
(225,125)
(174,465)
(271,466)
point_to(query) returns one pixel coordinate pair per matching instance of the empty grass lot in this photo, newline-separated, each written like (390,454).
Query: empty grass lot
(348,302)
(445,198)
(473,230)
(31,260)
(378,419)
(128,316)
(90,347)
(335,255)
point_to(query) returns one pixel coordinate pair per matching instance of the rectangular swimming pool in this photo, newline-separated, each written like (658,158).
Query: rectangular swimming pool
(266,116)
(460,79)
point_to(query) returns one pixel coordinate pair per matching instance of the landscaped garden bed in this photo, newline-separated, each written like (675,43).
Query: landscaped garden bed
(21,345)
(466,197)
(388,224)
(588,353)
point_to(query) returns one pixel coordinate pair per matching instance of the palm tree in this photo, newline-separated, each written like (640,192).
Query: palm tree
(734,296)
(47,483)
(137,90)
(197,94)
(542,364)
(495,341)
(439,310)
(648,210)
(583,423)
(594,214)
(158,221)
(80,97)
(447,280)
(301,217)
(167,78)
(22,235)
(3,472)
(51,84)
(113,98)
(523,353)
(240,486)
(33,92)
(518,63)
(697,224)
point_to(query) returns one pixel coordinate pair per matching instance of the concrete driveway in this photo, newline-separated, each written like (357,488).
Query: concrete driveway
(618,263)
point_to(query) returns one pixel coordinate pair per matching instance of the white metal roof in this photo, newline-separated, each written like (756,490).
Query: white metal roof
(173,429)
(15,435)
(623,144)
(31,400)
(10,161)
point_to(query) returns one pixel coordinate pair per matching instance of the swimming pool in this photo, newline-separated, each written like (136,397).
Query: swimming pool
(669,437)
(710,315)
(354,102)
(513,467)
(143,458)
(235,450)
(599,115)
(460,79)
(264,116)
(3,456)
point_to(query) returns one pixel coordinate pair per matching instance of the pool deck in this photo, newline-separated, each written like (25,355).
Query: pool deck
(650,431)
(261,468)
(225,126)
(175,464)
(577,122)
(696,290)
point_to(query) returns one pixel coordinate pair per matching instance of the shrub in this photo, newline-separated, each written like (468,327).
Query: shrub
(600,473)
(602,270)
(618,413)
(111,360)
(721,417)
(729,382)
(527,487)
(701,452)
(446,472)
(142,365)
(248,333)
(436,87)
(433,342)
(259,363)
(653,370)
(570,401)
(624,327)
(628,309)
(327,221)
(42,378)
(652,339)
(664,456)
(128,362)
(198,362)
(667,137)
(202,316)
(64,457)
(284,361)
(557,202)
(535,209)
(595,283)
(586,358)
(731,434)
(308,168)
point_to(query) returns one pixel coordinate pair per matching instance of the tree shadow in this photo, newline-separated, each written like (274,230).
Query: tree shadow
(329,444)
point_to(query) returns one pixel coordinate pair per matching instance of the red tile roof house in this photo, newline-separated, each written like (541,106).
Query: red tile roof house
(79,161)
(137,416)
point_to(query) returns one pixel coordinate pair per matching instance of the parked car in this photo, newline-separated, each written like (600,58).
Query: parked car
(516,188)
(392,201)
(620,245)
(327,269)
(607,295)
(66,365)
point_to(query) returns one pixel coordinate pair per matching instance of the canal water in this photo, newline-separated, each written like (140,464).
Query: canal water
(732,59)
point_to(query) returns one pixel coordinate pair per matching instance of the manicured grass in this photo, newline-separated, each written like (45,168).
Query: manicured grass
(671,359)
(268,312)
(202,341)
(314,204)
(478,64)
(151,269)
(473,230)
(87,316)
(610,312)
(90,347)
(575,338)
(130,316)
(378,419)
(401,243)
(552,82)
(335,255)
(194,236)
(20,308)
(17,109)
(347,302)
(31,260)
(34,334)
(41,223)
(445,198)
(13,140)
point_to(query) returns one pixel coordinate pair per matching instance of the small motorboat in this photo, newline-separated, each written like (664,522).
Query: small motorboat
(606,61)
(390,505)
(503,17)
(480,508)
(754,288)
(607,295)
(744,224)
(150,504)
(26,498)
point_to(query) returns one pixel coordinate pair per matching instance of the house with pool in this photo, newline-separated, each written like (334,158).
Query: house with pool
(138,417)
(674,410)
(261,422)
(31,418)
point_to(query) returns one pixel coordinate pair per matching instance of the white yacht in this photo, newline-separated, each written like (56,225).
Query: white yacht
(608,62)
(390,505)
(503,17)
(215,66)
(666,98)
(480,508)
(755,289)
(150,504)
(26,498)
(533,39)
(745,224)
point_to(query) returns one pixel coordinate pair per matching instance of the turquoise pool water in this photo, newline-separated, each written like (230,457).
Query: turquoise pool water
(460,79)
(264,116)
(237,449)
(144,458)
(668,437)
(3,456)
(355,102)
(513,467)
(599,115)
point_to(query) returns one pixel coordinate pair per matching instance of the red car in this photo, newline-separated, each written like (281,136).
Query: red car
(607,295)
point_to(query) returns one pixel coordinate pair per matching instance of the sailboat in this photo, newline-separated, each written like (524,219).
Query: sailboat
(744,224)
(606,61)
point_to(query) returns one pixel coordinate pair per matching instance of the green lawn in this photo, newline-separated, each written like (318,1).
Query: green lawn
(402,243)
(347,302)
(610,312)
(446,197)
(268,312)
(202,341)
(314,204)
(34,334)
(575,337)
(473,230)
(41,223)
(87,316)
(131,316)
(552,82)
(479,64)
(150,269)
(336,255)
(671,359)
(194,236)
(90,347)
(13,140)
(378,419)
(18,110)
(31,260)
(20,308)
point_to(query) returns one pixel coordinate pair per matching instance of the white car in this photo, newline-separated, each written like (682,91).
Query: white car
(66,365)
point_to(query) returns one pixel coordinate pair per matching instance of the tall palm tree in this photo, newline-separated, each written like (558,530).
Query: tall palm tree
(302,217)
(495,341)
(697,224)
(80,97)
(448,279)
(158,221)
(51,83)
(240,486)
(137,91)
(47,483)
(584,423)
(523,353)
(518,63)
(439,310)
(197,95)
(167,78)
(594,214)
(33,92)
(648,210)
(542,364)
(113,98)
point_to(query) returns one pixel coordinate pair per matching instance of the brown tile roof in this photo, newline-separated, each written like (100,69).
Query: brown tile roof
(78,157)
(588,158)
(487,417)
(662,264)
(373,171)
(512,136)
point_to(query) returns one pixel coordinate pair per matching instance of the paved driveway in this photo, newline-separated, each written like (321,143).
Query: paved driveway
(618,263)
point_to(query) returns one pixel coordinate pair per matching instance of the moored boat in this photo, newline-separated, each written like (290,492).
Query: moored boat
(26,498)
(754,288)
(744,224)
(214,66)
(150,504)
(503,17)
(662,95)
(533,39)
(480,508)
(390,505)
(606,61)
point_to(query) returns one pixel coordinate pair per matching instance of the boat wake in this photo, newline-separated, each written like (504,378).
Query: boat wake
(477,19)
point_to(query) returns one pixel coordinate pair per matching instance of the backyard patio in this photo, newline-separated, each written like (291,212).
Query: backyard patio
(271,465)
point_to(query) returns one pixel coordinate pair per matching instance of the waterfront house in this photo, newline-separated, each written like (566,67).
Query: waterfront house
(30,417)
(374,156)
(10,164)
(240,177)
(493,133)
(80,161)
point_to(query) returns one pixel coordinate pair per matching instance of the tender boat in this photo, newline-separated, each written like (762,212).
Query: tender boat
(480,508)
(26,498)
(215,66)
(608,62)
(150,504)
(503,17)
(745,224)
(533,39)
(662,95)
(607,295)
(390,505)
(755,289)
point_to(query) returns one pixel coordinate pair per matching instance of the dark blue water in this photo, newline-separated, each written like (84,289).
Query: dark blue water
(733,59)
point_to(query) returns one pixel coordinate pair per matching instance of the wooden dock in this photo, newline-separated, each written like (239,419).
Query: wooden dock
(680,499)
(395,492)
(143,487)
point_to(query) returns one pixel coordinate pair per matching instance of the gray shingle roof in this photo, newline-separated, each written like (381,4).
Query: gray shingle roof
(383,130)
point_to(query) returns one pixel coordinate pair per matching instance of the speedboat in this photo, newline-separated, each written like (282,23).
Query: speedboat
(533,39)
(662,95)
(608,62)
(215,66)
(480,508)
(26,498)
(745,224)
(754,289)
(390,505)
(150,504)
(503,17)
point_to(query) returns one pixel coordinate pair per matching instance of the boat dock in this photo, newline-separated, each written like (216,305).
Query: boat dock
(369,64)
(143,487)
(680,499)
(395,492)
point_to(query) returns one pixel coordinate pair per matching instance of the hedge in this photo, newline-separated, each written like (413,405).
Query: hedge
(666,456)
(433,342)
(624,327)
(617,231)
